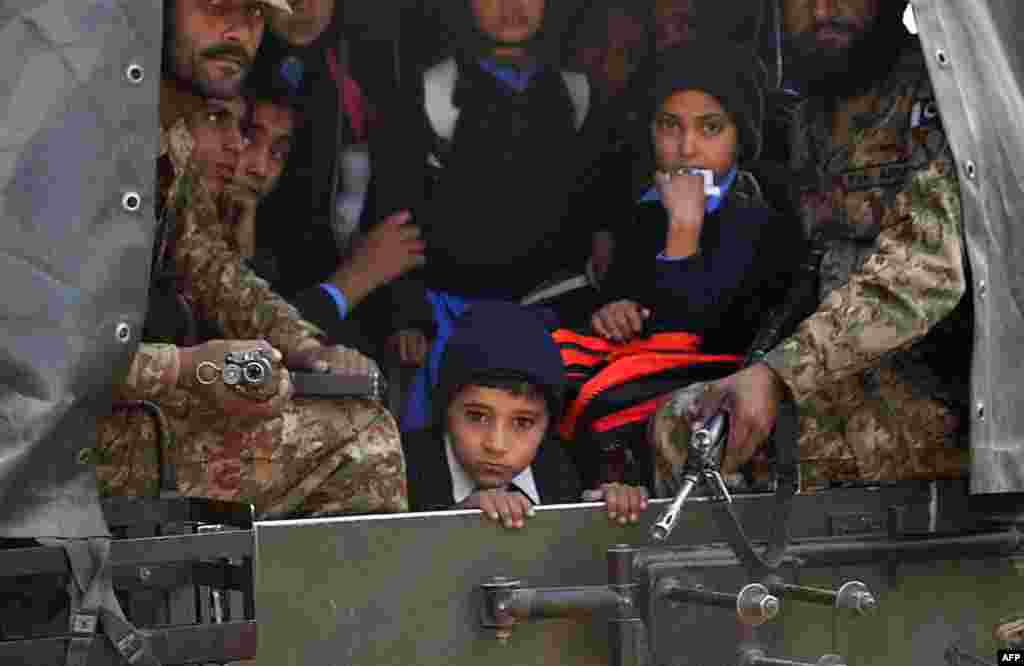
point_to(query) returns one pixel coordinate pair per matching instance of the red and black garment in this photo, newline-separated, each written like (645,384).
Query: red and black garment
(614,388)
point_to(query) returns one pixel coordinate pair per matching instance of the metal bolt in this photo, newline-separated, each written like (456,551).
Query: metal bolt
(942,58)
(866,603)
(123,332)
(831,660)
(979,409)
(982,288)
(755,606)
(135,73)
(145,573)
(972,169)
(131,201)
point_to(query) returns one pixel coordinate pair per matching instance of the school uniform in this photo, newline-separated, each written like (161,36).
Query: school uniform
(437,480)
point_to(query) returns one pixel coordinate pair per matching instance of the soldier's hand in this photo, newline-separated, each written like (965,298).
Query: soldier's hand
(411,346)
(201,371)
(509,508)
(625,502)
(751,398)
(620,320)
(389,250)
(335,359)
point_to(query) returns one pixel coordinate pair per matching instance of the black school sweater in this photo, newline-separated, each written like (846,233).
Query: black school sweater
(494,216)
(747,260)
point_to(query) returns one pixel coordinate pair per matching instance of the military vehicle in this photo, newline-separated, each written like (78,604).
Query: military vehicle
(903,573)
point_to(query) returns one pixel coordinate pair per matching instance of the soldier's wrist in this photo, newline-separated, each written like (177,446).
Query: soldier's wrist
(774,365)
(184,377)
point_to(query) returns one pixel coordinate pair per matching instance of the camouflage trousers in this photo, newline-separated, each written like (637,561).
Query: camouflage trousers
(319,457)
(847,434)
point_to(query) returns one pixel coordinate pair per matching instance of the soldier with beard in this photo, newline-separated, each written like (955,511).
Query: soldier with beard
(879,195)
(286,456)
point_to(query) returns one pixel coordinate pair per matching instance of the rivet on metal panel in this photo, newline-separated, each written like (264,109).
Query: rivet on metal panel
(971,169)
(131,201)
(145,573)
(982,288)
(135,73)
(942,58)
(980,410)
(123,332)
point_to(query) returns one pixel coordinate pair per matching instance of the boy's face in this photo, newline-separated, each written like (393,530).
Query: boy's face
(262,161)
(217,131)
(509,21)
(692,130)
(495,434)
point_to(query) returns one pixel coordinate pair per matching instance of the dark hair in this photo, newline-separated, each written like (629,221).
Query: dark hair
(513,383)
(267,86)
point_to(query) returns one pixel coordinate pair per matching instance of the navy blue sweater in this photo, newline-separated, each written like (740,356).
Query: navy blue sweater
(747,260)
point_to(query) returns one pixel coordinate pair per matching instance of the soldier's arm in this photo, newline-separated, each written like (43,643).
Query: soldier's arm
(227,292)
(154,371)
(913,280)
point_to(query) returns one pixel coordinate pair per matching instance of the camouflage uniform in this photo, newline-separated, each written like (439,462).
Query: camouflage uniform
(879,189)
(318,457)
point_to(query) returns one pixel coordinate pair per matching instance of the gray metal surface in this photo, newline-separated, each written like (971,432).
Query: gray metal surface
(976,60)
(78,140)
(404,589)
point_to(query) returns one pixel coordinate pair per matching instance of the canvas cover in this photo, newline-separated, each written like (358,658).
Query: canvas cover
(976,60)
(78,141)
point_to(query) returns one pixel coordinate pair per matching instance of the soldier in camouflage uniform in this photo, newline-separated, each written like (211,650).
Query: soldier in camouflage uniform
(879,193)
(287,456)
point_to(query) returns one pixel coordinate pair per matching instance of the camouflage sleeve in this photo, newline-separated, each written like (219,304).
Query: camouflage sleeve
(914,278)
(220,284)
(154,370)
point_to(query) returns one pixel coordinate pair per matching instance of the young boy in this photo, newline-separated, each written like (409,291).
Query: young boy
(708,264)
(492,445)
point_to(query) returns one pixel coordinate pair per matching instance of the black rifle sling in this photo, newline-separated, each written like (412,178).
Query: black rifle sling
(786,432)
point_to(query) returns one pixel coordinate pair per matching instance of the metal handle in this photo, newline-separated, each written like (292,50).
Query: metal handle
(754,605)
(852,596)
(757,657)
(661,529)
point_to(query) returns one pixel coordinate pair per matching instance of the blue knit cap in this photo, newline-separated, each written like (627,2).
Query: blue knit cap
(495,339)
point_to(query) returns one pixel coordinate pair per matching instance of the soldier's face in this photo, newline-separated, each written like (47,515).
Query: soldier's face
(308,20)
(675,23)
(509,21)
(828,26)
(495,434)
(268,141)
(217,132)
(213,43)
(691,129)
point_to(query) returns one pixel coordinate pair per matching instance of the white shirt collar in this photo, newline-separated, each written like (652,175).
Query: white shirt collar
(463,486)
